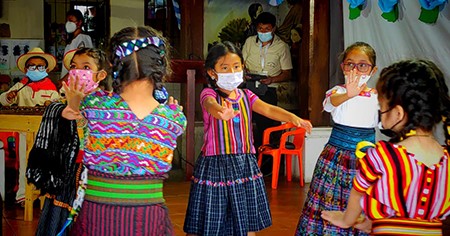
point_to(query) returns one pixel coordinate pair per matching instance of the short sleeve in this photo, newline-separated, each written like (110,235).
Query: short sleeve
(285,58)
(251,96)
(327,106)
(370,170)
(246,48)
(207,92)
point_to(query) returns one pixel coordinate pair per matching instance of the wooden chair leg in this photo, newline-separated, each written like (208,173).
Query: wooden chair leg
(41,202)
(275,170)
(28,211)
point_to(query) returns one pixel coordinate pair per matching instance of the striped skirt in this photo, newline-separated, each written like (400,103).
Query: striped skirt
(332,181)
(227,197)
(395,226)
(125,206)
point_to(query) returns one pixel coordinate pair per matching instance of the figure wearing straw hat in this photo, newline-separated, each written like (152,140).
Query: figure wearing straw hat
(35,88)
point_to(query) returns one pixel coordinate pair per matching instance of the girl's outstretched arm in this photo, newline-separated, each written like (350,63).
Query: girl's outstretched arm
(224,112)
(349,217)
(279,114)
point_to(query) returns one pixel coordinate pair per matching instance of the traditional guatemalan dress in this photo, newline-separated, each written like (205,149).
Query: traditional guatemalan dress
(54,170)
(403,195)
(127,159)
(227,195)
(354,121)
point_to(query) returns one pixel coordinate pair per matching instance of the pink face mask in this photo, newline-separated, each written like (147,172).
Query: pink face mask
(84,77)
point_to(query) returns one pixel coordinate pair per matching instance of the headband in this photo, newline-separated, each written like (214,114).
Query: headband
(125,49)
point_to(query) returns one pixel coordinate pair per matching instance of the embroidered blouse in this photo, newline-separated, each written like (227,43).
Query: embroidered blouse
(120,143)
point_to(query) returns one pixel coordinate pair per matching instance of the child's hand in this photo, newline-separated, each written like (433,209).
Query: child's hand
(297,121)
(336,218)
(351,84)
(70,114)
(227,111)
(173,103)
(74,93)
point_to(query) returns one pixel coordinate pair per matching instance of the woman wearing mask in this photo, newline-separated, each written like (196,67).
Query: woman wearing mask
(76,38)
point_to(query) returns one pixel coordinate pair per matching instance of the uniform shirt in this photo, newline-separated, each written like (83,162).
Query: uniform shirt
(119,143)
(81,41)
(398,185)
(272,58)
(360,111)
(234,136)
(35,93)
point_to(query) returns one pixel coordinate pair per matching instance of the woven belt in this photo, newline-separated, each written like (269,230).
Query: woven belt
(127,191)
(400,226)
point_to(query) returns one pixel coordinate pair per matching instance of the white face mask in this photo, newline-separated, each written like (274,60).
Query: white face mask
(362,79)
(70,27)
(229,81)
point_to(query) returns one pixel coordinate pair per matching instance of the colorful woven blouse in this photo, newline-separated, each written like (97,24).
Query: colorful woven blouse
(119,143)
(397,185)
(233,136)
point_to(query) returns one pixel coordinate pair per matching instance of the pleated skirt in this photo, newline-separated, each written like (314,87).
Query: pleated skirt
(332,181)
(227,197)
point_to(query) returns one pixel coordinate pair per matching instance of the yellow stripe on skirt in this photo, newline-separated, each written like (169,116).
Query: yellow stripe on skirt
(404,226)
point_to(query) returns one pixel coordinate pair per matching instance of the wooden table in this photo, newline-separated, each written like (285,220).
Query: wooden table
(28,124)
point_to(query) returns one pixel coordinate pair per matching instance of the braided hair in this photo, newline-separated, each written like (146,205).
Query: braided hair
(145,63)
(216,52)
(418,86)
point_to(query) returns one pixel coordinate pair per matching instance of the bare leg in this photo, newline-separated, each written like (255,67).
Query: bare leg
(251,234)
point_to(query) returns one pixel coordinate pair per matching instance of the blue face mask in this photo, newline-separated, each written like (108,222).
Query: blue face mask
(265,37)
(36,75)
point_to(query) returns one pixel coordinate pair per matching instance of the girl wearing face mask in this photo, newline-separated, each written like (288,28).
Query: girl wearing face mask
(353,107)
(36,88)
(228,194)
(75,36)
(403,185)
(89,68)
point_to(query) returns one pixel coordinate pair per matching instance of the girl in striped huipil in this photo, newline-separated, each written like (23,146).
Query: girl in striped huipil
(403,185)
(228,195)
(130,136)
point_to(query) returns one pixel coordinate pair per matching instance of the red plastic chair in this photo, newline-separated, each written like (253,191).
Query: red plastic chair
(284,148)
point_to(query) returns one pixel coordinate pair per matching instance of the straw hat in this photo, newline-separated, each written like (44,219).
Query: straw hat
(36,52)
(68,58)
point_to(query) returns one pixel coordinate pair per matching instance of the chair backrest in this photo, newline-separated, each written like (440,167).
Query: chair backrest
(289,129)
(299,137)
